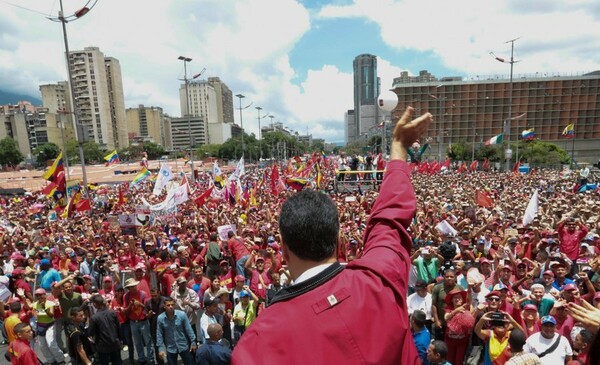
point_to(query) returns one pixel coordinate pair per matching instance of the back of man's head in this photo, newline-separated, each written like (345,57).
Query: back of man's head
(15,307)
(440,348)
(215,331)
(309,225)
(418,318)
(230,234)
(516,340)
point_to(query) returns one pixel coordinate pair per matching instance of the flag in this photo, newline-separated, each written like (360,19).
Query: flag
(239,169)
(275,180)
(83,205)
(569,131)
(494,140)
(531,210)
(71,205)
(473,166)
(184,181)
(484,200)
(216,171)
(516,167)
(319,176)
(57,166)
(111,158)
(447,163)
(122,200)
(486,164)
(296,183)
(143,174)
(202,198)
(528,134)
(164,176)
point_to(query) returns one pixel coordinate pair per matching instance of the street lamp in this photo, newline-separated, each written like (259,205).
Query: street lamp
(78,133)
(438,124)
(187,112)
(508,151)
(258,109)
(240,97)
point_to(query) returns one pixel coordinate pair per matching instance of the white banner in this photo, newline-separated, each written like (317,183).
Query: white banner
(164,175)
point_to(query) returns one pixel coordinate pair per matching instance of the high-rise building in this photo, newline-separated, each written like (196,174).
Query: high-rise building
(366,91)
(98,95)
(475,110)
(213,101)
(32,130)
(147,124)
(180,134)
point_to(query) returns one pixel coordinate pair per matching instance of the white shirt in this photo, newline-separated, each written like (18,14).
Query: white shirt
(416,302)
(537,344)
(204,322)
(313,271)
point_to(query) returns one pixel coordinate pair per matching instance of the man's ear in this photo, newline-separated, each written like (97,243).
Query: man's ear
(285,252)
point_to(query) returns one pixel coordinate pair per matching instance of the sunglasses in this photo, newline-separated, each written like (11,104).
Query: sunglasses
(494,299)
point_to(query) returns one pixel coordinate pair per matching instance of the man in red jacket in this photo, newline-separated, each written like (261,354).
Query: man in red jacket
(352,315)
(570,236)
(19,351)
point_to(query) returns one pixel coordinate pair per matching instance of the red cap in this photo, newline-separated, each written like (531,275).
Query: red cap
(40,291)
(530,307)
(107,279)
(569,287)
(549,272)
(240,278)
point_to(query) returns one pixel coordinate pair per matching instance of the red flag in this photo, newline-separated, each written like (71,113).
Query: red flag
(202,198)
(462,167)
(183,181)
(447,163)
(516,168)
(484,200)
(486,164)
(473,166)
(83,205)
(275,180)
(49,189)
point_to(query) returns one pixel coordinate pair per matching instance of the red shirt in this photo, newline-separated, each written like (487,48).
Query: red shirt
(119,308)
(137,312)
(199,286)
(257,286)
(226,280)
(569,241)
(237,247)
(22,354)
(360,310)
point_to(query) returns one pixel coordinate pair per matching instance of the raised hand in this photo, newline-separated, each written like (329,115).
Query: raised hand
(407,131)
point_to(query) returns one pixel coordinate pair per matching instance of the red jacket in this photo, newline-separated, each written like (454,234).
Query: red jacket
(569,241)
(352,315)
(22,354)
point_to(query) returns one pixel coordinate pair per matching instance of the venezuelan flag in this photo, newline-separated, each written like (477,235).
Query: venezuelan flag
(111,158)
(144,173)
(57,166)
(569,131)
(528,134)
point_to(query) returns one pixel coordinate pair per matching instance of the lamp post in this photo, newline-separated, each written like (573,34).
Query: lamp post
(78,132)
(187,112)
(473,147)
(258,109)
(240,97)
(508,151)
(438,125)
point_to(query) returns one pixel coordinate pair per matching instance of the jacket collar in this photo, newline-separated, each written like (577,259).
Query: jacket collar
(308,285)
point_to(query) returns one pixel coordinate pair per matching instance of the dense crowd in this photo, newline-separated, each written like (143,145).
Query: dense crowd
(486,288)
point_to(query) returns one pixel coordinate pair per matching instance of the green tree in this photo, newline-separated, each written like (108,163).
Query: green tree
(492,152)
(208,150)
(91,152)
(9,152)
(154,151)
(460,151)
(540,152)
(45,152)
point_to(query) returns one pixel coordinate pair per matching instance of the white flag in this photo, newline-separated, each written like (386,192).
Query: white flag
(531,210)
(446,228)
(164,175)
(239,169)
(216,170)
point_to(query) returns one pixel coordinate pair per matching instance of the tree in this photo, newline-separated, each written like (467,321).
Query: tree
(460,151)
(492,152)
(154,151)
(45,152)
(208,150)
(540,152)
(10,155)
(91,152)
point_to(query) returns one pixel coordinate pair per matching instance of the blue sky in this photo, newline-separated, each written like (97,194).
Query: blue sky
(294,58)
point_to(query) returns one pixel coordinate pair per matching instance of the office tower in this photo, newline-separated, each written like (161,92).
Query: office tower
(366,91)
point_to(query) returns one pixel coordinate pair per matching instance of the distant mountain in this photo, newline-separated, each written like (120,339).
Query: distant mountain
(7,97)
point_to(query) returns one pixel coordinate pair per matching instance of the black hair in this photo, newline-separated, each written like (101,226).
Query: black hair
(229,234)
(75,310)
(516,340)
(586,336)
(15,307)
(440,348)
(98,299)
(418,317)
(20,327)
(309,225)
(214,236)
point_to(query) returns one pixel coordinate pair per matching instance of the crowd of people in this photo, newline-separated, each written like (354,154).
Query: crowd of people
(434,273)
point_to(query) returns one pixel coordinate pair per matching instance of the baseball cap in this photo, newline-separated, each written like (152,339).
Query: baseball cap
(224,262)
(45,262)
(548,320)
(244,293)
(483,260)
(499,287)
(208,301)
(107,279)
(530,307)
(569,287)
(40,291)
(549,272)
(181,280)
(240,278)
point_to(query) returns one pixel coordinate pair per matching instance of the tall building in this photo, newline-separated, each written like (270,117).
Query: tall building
(180,132)
(366,91)
(98,95)
(213,101)
(32,130)
(476,110)
(147,124)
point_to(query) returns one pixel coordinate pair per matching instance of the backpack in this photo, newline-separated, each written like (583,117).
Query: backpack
(214,253)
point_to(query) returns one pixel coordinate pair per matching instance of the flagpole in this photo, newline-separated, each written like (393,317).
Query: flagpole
(573,150)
